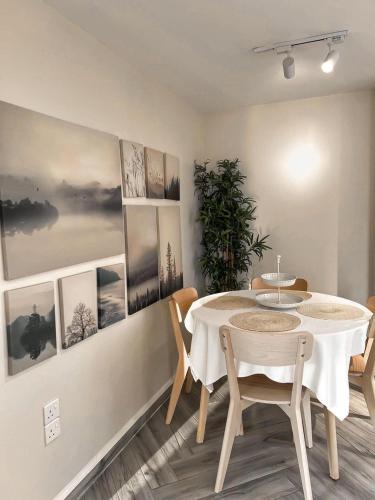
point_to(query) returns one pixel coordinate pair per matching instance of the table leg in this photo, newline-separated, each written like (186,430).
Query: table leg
(333,460)
(203,407)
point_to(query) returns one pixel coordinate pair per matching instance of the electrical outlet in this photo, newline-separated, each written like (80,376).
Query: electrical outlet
(52,431)
(51,411)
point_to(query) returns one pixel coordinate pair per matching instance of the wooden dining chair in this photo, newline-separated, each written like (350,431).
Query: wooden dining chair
(179,305)
(300,284)
(267,349)
(362,367)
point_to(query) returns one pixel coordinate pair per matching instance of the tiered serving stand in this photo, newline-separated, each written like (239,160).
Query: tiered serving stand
(279,299)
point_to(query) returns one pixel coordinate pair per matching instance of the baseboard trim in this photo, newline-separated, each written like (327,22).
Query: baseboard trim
(97,465)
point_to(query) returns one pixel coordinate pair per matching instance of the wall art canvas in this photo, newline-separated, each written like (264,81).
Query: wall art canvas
(172,177)
(78,307)
(111,294)
(170,251)
(133,169)
(141,257)
(60,192)
(31,330)
(154,162)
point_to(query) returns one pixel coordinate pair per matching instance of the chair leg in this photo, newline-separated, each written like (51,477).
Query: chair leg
(299,441)
(203,408)
(240,431)
(189,382)
(176,391)
(306,418)
(368,388)
(333,460)
(231,429)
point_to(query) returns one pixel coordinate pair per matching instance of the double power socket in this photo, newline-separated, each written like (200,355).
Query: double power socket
(51,418)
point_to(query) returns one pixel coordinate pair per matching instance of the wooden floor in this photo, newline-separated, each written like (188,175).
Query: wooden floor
(164,462)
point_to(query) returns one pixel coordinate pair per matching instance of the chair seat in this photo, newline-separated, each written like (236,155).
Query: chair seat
(263,390)
(357,365)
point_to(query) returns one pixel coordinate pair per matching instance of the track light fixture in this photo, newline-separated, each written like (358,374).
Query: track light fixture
(288,62)
(330,60)
(327,65)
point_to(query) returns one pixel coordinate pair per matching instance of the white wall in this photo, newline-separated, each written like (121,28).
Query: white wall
(310,167)
(49,65)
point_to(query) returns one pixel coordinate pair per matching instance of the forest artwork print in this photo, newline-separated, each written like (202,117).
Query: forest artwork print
(171,177)
(170,253)
(141,257)
(111,294)
(78,306)
(31,330)
(60,193)
(133,169)
(154,162)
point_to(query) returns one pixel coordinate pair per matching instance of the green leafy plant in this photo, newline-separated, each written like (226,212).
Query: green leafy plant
(226,214)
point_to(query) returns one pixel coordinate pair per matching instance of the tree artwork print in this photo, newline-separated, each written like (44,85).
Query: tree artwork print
(170,253)
(133,169)
(78,305)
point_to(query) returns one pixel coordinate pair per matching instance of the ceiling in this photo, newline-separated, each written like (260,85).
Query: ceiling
(201,49)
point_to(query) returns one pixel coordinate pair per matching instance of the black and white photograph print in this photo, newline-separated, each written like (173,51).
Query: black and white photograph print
(31,328)
(170,252)
(111,294)
(141,257)
(133,169)
(154,161)
(60,193)
(172,177)
(78,308)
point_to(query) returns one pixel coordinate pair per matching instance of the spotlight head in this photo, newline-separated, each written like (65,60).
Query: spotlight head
(289,67)
(330,60)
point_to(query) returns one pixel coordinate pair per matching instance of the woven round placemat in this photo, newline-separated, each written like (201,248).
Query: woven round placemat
(228,302)
(331,311)
(300,293)
(265,321)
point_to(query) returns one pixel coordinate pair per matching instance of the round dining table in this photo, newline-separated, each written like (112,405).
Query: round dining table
(325,373)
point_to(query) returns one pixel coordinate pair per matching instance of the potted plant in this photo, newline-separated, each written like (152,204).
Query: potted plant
(226,214)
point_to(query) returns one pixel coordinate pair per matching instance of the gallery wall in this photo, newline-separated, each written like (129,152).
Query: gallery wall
(310,166)
(105,382)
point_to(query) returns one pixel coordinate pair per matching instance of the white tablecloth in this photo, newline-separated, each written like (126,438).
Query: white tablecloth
(326,373)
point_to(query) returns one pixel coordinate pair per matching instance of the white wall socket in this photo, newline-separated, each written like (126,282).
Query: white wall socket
(52,431)
(51,411)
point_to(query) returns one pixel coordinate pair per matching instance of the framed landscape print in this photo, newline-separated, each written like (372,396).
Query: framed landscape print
(172,177)
(133,169)
(170,253)
(111,294)
(31,329)
(141,257)
(154,173)
(78,308)
(60,193)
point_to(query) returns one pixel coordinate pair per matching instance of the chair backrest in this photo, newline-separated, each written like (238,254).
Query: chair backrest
(179,304)
(266,349)
(370,347)
(371,304)
(300,284)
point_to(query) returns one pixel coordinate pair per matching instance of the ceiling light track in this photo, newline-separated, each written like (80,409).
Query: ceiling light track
(332,37)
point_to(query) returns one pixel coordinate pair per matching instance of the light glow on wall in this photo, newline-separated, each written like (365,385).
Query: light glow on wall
(301,164)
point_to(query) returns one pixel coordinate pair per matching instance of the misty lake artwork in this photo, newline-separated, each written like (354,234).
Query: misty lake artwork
(141,257)
(60,193)
(31,330)
(111,294)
